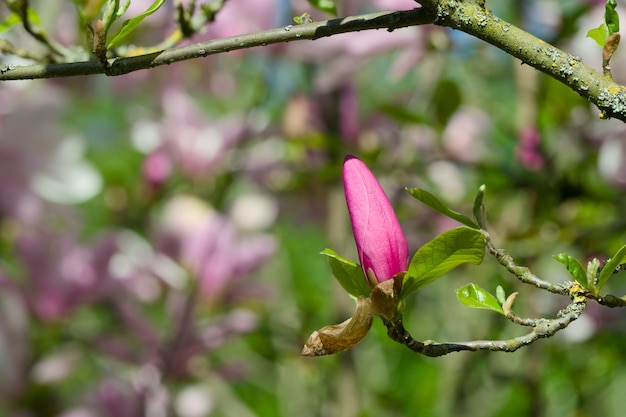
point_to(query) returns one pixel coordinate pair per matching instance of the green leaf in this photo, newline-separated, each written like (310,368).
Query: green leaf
(348,273)
(609,268)
(599,34)
(500,294)
(476,297)
(131,24)
(442,254)
(593,271)
(122,8)
(110,14)
(611,18)
(574,267)
(434,203)
(327,6)
(14,18)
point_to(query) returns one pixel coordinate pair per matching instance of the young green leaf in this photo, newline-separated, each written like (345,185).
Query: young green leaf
(14,18)
(575,268)
(500,294)
(434,203)
(611,18)
(348,273)
(11,20)
(593,272)
(109,14)
(599,34)
(476,297)
(131,24)
(442,254)
(124,4)
(327,6)
(609,268)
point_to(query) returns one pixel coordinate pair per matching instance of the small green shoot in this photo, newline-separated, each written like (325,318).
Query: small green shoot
(608,27)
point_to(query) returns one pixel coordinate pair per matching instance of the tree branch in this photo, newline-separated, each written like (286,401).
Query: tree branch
(521,272)
(477,21)
(543,328)
(289,33)
(468,16)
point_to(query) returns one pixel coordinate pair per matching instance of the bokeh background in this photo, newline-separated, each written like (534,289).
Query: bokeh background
(160,232)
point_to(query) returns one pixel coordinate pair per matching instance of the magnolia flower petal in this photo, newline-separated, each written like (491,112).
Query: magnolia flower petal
(381,244)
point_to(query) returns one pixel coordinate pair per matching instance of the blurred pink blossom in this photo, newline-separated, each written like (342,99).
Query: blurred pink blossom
(209,245)
(243,16)
(157,167)
(190,139)
(396,4)
(344,54)
(26,147)
(464,136)
(528,151)
(61,275)
(118,399)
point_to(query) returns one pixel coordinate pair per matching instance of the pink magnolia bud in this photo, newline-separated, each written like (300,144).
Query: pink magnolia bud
(380,242)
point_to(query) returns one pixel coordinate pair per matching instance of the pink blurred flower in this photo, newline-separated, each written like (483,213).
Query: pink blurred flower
(344,55)
(157,167)
(243,16)
(121,400)
(464,136)
(190,140)
(26,148)
(380,242)
(396,4)
(528,150)
(61,275)
(211,247)
(217,256)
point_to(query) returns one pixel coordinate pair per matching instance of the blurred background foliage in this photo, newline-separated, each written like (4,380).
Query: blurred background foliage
(160,232)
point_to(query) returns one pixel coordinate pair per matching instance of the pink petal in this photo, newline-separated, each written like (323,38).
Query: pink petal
(380,242)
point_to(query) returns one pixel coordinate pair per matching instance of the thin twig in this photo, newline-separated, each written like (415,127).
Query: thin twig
(289,33)
(521,272)
(608,300)
(543,328)
(37,33)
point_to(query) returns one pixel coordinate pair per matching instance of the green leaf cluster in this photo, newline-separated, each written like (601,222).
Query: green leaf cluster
(595,276)
(608,27)
(451,249)
(115,10)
